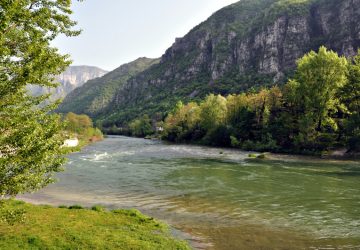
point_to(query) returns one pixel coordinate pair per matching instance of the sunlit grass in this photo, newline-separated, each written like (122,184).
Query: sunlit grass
(47,227)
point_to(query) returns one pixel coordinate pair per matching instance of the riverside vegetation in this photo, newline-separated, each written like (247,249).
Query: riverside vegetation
(317,110)
(82,128)
(32,136)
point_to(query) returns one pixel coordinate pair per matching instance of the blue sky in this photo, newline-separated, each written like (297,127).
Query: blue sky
(119,31)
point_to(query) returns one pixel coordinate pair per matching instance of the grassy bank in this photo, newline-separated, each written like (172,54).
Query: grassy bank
(46,227)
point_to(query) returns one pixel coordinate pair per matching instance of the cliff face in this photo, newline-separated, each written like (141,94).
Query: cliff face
(247,44)
(268,44)
(72,78)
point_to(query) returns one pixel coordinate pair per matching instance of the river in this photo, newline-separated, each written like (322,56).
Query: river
(218,198)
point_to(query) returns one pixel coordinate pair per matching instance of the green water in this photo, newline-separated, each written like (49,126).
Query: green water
(219,201)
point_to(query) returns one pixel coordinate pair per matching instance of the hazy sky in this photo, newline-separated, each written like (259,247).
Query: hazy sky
(119,31)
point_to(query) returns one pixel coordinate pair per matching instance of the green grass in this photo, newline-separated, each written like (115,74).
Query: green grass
(48,227)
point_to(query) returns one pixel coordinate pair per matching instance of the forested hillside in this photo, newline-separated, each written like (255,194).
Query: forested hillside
(247,45)
(96,95)
(314,112)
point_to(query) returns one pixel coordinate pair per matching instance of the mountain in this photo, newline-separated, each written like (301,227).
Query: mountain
(72,78)
(96,95)
(248,44)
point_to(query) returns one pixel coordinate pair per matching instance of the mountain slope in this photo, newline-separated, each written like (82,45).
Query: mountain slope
(96,95)
(247,44)
(72,78)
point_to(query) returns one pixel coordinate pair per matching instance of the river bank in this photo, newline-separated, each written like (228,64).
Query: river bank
(220,201)
(333,154)
(73,227)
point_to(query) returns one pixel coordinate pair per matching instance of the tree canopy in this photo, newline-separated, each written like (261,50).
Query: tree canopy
(30,137)
(317,110)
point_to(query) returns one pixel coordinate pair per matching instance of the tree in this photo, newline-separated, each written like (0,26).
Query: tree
(241,117)
(30,137)
(350,97)
(319,76)
(77,123)
(212,111)
(182,123)
(141,127)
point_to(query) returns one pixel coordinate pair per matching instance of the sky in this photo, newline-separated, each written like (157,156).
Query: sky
(119,31)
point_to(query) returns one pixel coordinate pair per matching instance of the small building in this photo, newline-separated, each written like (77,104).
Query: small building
(71,143)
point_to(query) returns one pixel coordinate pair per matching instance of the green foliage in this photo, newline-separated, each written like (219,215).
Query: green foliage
(10,215)
(318,78)
(115,100)
(77,123)
(252,155)
(81,126)
(183,123)
(212,111)
(234,142)
(350,97)
(30,137)
(76,207)
(141,127)
(98,208)
(186,71)
(291,7)
(313,112)
(97,95)
(56,228)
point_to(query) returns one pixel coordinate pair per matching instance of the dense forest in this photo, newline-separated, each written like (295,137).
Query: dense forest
(316,110)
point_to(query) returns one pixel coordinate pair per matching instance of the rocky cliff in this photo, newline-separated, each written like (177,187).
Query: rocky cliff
(248,44)
(72,78)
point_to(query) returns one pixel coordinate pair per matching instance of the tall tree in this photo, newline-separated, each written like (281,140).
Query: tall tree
(350,96)
(30,138)
(213,111)
(319,76)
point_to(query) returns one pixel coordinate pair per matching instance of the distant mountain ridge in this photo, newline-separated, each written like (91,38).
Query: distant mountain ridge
(251,43)
(96,95)
(72,78)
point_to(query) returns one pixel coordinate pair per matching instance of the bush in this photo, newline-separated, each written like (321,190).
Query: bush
(98,208)
(234,142)
(76,207)
(252,155)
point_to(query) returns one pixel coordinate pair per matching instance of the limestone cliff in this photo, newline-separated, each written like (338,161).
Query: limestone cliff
(72,78)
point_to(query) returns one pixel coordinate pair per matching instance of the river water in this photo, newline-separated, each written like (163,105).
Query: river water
(218,198)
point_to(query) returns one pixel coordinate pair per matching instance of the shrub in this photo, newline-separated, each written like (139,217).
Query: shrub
(76,207)
(98,208)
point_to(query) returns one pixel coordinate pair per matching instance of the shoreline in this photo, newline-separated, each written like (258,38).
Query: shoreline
(336,156)
(61,195)
(194,241)
(88,227)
